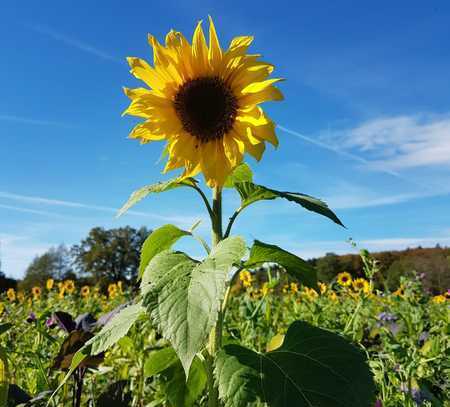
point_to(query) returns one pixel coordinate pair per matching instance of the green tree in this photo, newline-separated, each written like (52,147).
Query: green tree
(55,263)
(110,254)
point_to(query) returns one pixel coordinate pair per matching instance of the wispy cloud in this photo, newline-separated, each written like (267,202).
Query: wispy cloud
(82,46)
(27,120)
(345,195)
(333,147)
(32,211)
(401,142)
(185,220)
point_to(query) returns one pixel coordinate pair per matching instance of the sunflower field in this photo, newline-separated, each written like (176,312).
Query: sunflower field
(404,333)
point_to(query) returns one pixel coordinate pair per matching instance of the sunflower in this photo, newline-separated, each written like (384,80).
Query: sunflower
(439,299)
(112,290)
(85,291)
(36,291)
(204,102)
(246,278)
(69,286)
(11,294)
(49,284)
(322,287)
(332,296)
(399,292)
(294,288)
(361,284)
(310,293)
(344,279)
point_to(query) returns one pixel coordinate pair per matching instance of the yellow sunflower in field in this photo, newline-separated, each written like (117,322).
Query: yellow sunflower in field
(69,286)
(36,291)
(344,279)
(439,299)
(49,284)
(204,102)
(246,278)
(361,285)
(85,291)
(112,290)
(11,294)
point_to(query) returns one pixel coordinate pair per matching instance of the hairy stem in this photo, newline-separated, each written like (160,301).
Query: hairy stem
(215,337)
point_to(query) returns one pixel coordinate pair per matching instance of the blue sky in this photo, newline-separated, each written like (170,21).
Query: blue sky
(365,124)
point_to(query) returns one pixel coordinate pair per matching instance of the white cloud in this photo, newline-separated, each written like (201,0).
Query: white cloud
(27,120)
(402,142)
(185,220)
(82,46)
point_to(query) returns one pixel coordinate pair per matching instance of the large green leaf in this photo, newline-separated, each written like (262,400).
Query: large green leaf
(115,329)
(141,193)
(159,360)
(242,173)
(179,391)
(295,266)
(160,239)
(183,296)
(251,193)
(313,367)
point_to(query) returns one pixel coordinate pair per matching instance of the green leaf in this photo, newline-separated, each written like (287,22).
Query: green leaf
(159,360)
(242,173)
(181,392)
(251,193)
(115,329)
(160,239)
(141,193)
(183,296)
(313,367)
(5,327)
(295,266)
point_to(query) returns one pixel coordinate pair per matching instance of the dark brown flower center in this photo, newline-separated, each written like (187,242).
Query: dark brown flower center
(206,107)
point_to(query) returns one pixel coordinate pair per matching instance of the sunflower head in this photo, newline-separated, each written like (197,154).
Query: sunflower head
(85,291)
(11,294)
(204,102)
(69,286)
(36,291)
(49,284)
(246,278)
(439,299)
(344,279)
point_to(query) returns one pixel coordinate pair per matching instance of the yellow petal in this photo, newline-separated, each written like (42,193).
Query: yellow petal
(267,94)
(265,132)
(256,87)
(136,92)
(255,150)
(144,131)
(143,71)
(234,149)
(215,165)
(199,50)
(254,72)
(215,52)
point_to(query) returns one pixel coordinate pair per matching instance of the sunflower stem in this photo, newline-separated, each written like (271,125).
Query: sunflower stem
(215,337)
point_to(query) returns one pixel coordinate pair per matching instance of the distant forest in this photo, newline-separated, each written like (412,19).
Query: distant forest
(107,255)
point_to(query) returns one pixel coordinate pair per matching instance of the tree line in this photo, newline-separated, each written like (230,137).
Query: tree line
(108,255)
(104,256)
